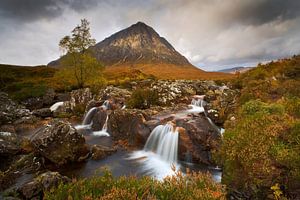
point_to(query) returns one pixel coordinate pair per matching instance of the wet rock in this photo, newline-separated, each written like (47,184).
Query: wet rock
(221,104)
(117,96)
(10,111)
(151,124)
(44,182)
(197,137)
(171,92)
(99,119)
(60,143)
(80,98)
(9,144)
(128,125)
(43,112)
(35,103)
(99,151)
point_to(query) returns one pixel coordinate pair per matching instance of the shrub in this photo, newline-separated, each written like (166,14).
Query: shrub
(261,149)
(143,98)
(191,186)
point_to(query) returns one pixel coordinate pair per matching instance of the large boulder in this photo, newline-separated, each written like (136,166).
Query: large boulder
(172,92)
(80,98)
(197,139)
(128,124)
(60,143)
(221,103)
(99,118)
(117,96)
(35,189)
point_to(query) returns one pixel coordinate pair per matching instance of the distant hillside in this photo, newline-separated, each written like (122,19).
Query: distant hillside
(235,70)
(140,47)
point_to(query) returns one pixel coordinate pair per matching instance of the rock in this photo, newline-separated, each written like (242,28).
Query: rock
(99,152)
(222,101)
(10,111)
(80,98)
(46,100)
(44,182)
(117,96)
(9,144)
(151,124)
(99,119)
(128,124)
(43,112)
(60,143)
(197,138)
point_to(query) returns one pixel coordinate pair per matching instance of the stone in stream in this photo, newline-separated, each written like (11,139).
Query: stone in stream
(44,182)
(60,143)
(197,137)
(99,151)
(43,112)
(9,144)
(128,124)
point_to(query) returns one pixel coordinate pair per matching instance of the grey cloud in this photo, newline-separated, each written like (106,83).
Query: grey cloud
(32,10)
(210,33)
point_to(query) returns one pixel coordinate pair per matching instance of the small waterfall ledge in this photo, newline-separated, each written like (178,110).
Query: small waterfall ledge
(87,121)
(160,152)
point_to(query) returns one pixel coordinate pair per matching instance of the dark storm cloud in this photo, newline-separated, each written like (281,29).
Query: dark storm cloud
(31,10)
(265,11)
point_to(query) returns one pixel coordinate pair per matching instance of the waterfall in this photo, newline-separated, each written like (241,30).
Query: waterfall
(197,106)
(163,141)
(159,153)
(106,105)
(55,106)
(88,117)
(103,132)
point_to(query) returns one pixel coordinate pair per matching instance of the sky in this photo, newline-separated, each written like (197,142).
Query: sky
(211,34)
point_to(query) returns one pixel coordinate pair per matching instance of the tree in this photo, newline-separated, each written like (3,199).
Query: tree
(78,59)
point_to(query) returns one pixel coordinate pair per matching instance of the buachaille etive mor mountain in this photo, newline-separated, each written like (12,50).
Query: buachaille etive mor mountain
(140,47)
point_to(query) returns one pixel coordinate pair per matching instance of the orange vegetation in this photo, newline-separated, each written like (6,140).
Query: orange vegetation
(164,71)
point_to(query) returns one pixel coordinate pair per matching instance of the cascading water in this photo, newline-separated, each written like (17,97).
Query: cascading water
(164,142)
(103,132)
(160,152)
(87,121)
(55,106)
(197,107)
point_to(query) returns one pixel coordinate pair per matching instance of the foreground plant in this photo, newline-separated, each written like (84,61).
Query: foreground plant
(193,185)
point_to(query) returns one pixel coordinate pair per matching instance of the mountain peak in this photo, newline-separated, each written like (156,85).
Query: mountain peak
(138,43)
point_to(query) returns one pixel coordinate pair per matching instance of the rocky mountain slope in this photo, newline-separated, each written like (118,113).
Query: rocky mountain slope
(137,44)
(140,47)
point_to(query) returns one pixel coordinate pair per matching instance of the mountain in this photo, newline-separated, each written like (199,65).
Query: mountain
(235,70)
(140,47)
(137,44)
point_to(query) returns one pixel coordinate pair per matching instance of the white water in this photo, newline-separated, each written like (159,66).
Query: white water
(87,121)
(103,132)
(160,152)
(55,106)
(105,105)
(197,106)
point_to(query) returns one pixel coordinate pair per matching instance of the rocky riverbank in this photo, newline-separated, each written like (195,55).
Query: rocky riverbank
(37,139)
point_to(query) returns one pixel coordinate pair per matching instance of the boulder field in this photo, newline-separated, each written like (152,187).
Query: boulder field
(39,140)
